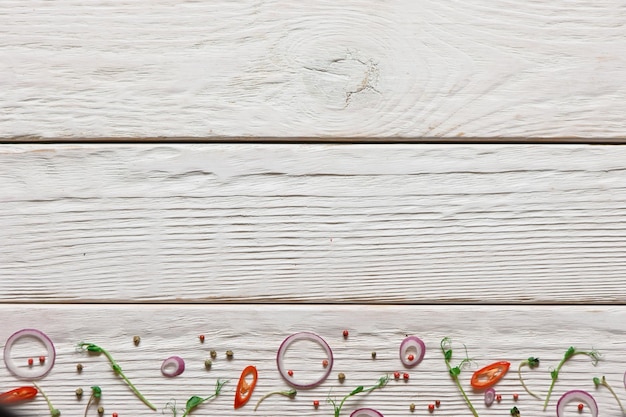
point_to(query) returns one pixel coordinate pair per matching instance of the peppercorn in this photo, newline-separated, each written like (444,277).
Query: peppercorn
(412,407)
(373,355)
(201,337)
(229,354)
(405,376)
(431,408)
(341,377)
(79,367)
(316,403)
(345,334)
(213,354)
(515,397)
(136,340)
(208,363)
(437,403)
(100,410)
(30,361)
(324,363)
(42,359)
(515,412)
(79,392)
(114,415)
(396,375)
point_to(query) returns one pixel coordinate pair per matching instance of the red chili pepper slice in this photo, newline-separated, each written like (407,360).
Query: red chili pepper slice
(244,389)
(490,374)
(18,394)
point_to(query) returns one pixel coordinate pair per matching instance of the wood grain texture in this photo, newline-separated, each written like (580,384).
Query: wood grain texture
(402,69)
(254,334)
(313,223)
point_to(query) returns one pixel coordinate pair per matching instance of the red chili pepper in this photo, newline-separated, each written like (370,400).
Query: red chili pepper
(489,375)
(18,394)
(244,389)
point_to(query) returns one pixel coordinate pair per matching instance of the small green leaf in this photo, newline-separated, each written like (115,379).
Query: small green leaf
(96,391)
(93,348)
(358,389)
(116,368)
(455,371)
(448,355)
(193,402)
(554,374)
(533,362)
(570,352)
(596,381)
(291,393)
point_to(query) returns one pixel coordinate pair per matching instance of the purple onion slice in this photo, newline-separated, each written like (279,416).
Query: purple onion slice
(32,372)
(173,366)
(412,342)
(280,358)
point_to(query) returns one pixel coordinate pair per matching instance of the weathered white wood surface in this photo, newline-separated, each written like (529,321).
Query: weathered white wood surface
(313,223)
(358,68)
(254,333)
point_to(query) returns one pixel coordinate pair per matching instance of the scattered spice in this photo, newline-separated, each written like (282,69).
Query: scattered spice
(207,364)
(42,360)
(229,354)
(410,357)
(345,334)
(316,403)
(213,354)
(412,407)
(431,408)
(325,363)
(405,376)
(515,397)
(341,377)
(136,340)
(90,347)
(79,367)
(290,372)
(569,353)
(498,398)
(30,361)
(291,394)
(581,406)
(114,415)
(437,403)
(201,337)
(515,412)
(396,375)
(373,355)
(79,392)
(101,410)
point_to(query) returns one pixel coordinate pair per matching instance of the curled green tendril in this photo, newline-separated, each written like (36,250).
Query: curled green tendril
(532,363)
(569,353)
(290,393)
(54,412)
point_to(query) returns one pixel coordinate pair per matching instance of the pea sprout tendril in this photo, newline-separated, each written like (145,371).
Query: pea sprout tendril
(90,347)
(290,393)
(54,412)
(446,348)
(569,353)
(382,381)
(531,362)
(602,382)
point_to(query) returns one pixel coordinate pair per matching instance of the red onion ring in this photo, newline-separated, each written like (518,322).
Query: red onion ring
(412,342)
(366,412)
(490,396)
(283,349)
(579,396)
(32,372)
(179,366)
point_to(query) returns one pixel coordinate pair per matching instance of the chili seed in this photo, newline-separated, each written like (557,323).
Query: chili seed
(79,367)
(412,407)
(208,363)
(229,354)
(341,377)
(213,354)
(79,392)
(136,340)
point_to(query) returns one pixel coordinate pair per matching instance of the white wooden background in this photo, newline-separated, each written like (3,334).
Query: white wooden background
(512,250)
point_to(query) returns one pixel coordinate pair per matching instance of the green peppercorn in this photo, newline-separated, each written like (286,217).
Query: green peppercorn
(229,354)
(79,392)
(213,354)
(79,368)
(208,363)
(373,355)
(341,377)
(136,340)
(100,410)
(412,407)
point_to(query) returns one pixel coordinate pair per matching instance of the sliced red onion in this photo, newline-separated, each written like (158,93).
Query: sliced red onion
(173,366)
(490,396)
(280,356)
(578,396)
(408,343)
(32,372)
(366,412)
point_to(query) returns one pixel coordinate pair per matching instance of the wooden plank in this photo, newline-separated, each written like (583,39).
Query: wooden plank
(401,69)
(311,223)
(254,333)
